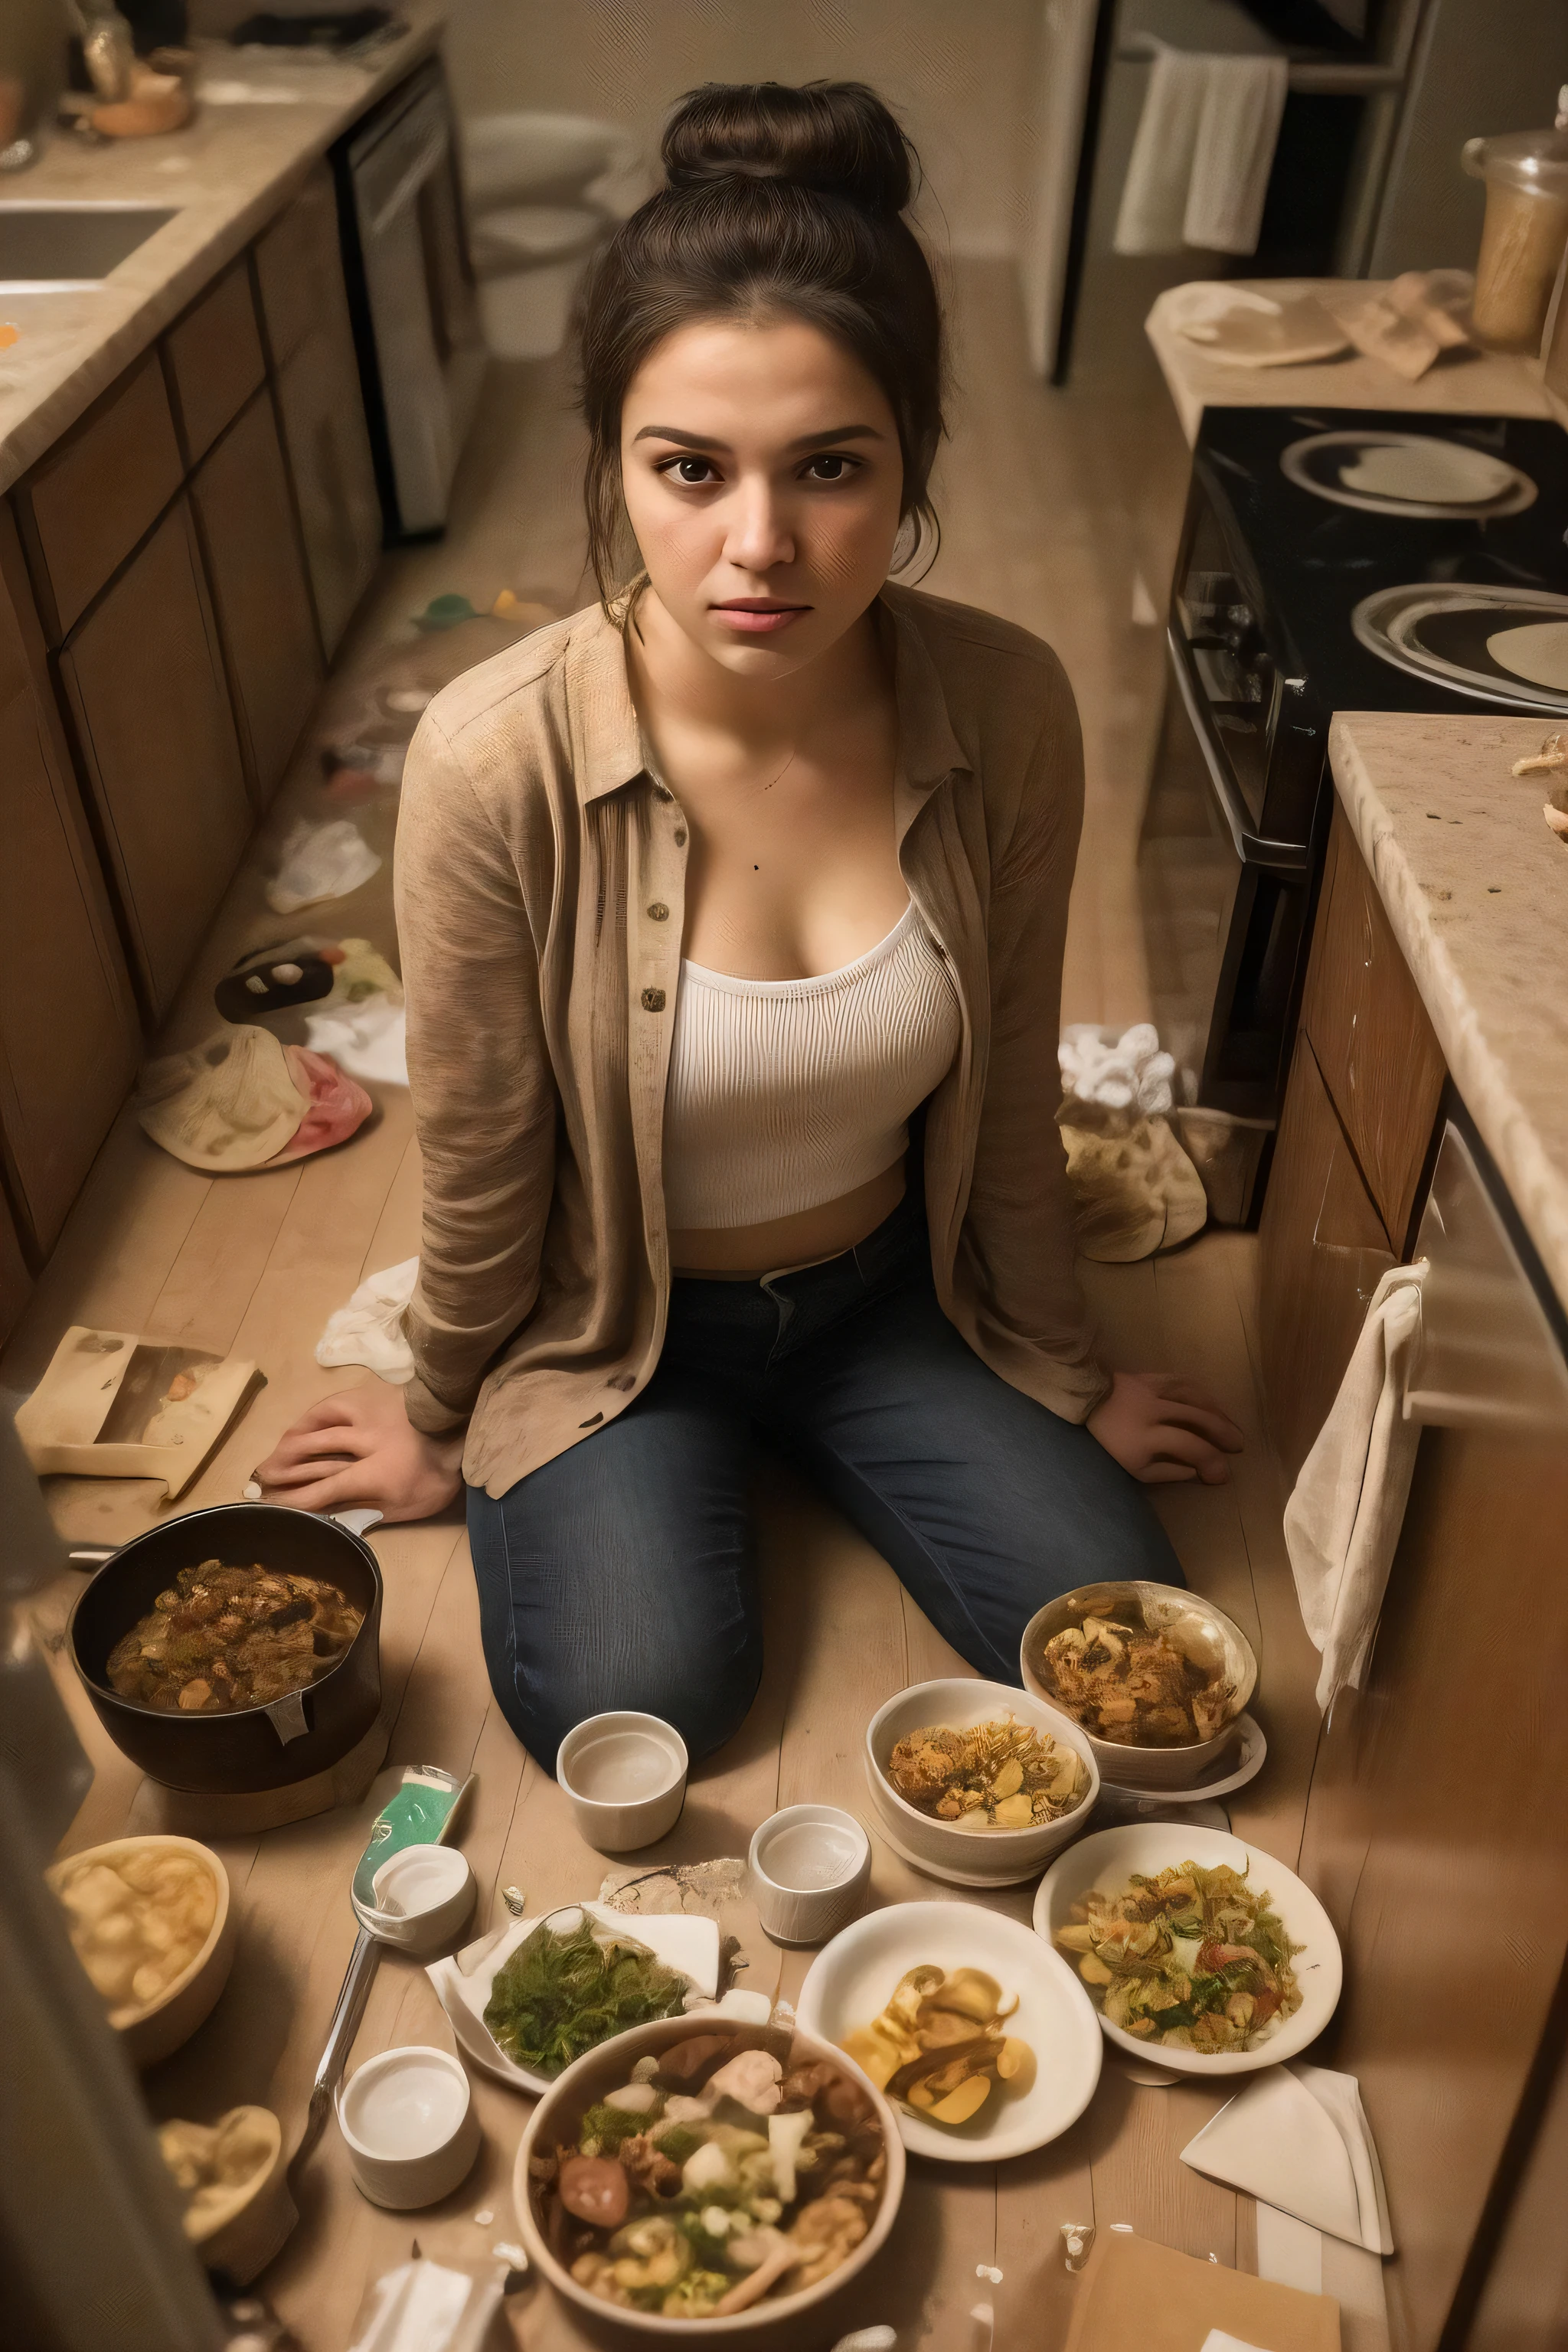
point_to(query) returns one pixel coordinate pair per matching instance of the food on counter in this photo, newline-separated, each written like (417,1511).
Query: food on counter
(137,1923)
(224,1638)
(216,2166)
(1192,1958)
(562,1993)
(714,2177)
(1134,1685)
(940,2045)
(994,1776)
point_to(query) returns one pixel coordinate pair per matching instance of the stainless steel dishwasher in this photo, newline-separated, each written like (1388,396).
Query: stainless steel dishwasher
(411,293)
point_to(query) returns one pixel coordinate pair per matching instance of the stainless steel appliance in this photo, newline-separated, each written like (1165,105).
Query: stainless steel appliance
(1299,523)
(411,293)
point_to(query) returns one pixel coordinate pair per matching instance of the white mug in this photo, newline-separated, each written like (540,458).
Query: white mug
(625,1774)
(810,1867)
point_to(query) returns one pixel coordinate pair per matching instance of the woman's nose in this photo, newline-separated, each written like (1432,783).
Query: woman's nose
(758,536)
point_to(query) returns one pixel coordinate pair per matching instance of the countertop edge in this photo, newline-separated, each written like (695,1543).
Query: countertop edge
(60,407)
(1538,1187)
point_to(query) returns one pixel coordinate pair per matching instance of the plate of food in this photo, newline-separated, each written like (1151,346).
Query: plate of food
(1194,1949)
(528,2000)
(977,1782)
(982,2052)
(694,2175)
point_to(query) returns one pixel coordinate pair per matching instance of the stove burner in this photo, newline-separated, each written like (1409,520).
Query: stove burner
(1422,474)
(1441,631)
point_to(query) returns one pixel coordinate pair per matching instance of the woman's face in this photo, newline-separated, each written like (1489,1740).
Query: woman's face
(762,478)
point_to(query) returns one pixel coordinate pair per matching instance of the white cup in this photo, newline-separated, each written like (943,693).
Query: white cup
(408,2122)
(423,1896)
(625,1777)
(810,1865)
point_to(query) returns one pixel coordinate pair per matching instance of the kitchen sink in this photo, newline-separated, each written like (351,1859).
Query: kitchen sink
(46,248)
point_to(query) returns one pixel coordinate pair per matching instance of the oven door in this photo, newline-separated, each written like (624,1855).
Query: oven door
(1224,925)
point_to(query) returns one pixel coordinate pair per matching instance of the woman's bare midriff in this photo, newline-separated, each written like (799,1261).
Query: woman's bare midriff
(745,1253)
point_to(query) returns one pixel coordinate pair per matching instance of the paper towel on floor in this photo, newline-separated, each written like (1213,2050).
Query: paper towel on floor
(1203,152)
(1343,1518)
(1298,2139)
(369,1040)
(369,1329)
(1216,2340)
(320,861)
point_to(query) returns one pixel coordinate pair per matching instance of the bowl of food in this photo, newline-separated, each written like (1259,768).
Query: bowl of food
(1156,1677)
(983,2040)
(234,1649)
(232,2181)
(150,1920)
(1197,1951)
(977,1783)
(694,2177)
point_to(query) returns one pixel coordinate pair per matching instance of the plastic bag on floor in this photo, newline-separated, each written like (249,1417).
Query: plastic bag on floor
(1135,1188)
(369,1329)
(320,861)
(369,1039)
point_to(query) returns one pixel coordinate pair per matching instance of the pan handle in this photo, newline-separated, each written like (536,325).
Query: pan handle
(90,1556)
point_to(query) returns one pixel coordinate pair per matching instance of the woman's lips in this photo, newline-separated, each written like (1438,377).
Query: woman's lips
(760,620)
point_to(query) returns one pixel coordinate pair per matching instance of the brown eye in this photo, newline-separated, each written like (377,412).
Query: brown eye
(692,469)
(831,467)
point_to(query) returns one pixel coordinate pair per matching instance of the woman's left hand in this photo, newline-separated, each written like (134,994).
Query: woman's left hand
(1163,1428)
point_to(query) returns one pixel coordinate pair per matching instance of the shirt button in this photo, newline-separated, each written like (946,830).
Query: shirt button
(681,837)
(653,1000)
(659,911)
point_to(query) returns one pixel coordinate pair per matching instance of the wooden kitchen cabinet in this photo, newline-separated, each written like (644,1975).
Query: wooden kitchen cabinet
(255,571)
(84,506)
(320,403)
(68,1042)
(16,1282)
(214,360)
(145,680)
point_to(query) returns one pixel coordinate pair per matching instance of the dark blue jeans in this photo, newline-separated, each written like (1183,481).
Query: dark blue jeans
(620,1575)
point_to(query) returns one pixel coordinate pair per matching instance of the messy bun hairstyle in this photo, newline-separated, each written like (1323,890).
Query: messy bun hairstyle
(778,203)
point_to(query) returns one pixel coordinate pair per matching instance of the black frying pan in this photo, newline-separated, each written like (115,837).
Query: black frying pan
(256,1746)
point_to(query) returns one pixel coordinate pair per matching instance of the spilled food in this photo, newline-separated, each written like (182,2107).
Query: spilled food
(224,1638)
(715,2176)
(994,1776)
(1191,1960)
(1134,1685)
(940,2047)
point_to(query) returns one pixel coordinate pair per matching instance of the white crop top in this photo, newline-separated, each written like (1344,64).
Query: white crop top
(785,1094)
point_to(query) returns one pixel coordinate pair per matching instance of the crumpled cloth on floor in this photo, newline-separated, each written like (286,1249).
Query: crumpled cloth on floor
(320,861)
(232,1103)
(1134,1188)
(1204,149)
(370,1039)
(1344,1519)
(1298,2139)
(369,1329)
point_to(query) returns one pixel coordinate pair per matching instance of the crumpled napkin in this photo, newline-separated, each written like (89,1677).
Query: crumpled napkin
(1298,2139)
(320,861)
(369,1329)
(370,1039)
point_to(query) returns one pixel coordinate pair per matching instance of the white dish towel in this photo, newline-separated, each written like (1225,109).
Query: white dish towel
(1203,152)
(1343,1521)
(1298,2139)
(369,1329)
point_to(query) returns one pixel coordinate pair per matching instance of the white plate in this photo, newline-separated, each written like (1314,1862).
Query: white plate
(1254,1749)
(1108,1858)
(851,1980)
(463,1982)
(984,1883)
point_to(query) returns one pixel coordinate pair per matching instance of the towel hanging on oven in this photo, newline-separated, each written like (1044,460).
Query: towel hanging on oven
(1203,152)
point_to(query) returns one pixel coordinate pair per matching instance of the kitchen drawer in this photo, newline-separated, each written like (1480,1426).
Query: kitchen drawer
(299,270)
(214,360)
(83,508)
(1375,1047)
(1323,1250)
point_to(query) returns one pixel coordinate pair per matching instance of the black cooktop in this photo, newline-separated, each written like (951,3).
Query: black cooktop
(1331,507)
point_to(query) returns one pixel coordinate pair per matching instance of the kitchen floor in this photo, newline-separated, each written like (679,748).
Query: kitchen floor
(1060,511)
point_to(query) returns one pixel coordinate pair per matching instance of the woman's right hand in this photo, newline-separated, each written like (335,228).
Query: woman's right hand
(358,1449)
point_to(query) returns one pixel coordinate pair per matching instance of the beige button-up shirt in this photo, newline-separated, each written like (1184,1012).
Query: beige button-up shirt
(540,887)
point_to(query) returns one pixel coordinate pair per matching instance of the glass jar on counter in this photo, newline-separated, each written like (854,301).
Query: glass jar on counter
(1524,237)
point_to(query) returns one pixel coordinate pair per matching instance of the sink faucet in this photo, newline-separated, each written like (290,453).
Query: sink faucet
(32,38)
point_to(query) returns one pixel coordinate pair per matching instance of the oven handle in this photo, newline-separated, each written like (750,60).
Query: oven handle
(1253,849)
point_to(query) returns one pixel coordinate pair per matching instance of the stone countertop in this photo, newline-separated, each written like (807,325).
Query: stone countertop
(1477,384)
(262,119)
(1475,886)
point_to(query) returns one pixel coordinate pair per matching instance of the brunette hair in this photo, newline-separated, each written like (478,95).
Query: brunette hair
(777,201)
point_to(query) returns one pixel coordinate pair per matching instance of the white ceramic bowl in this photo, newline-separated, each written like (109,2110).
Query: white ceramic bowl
(1125,1767)
(156,2028)
(601,2070)
(242,2236)
(624,1775)
(423,1897)
(971,1857)
(851,1983)
(810,1867)
(1109,1858)
(408,2122)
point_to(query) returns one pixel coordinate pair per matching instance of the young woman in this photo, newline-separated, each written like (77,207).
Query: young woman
(732,914)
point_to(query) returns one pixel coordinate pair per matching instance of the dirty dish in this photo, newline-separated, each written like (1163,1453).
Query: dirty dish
(848,1985)
(810,1866)
(1156,1677)
(1243,1763)
(423,1897)
(408,2122)
(151,1921)
(1105,1864)
(992,1856)
(235,2183)
(624,1776)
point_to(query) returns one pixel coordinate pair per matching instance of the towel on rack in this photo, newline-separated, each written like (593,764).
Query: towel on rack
(1203,152)
(1343,1521)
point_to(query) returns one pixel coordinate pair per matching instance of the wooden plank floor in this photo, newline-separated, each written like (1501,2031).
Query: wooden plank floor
(1039,526)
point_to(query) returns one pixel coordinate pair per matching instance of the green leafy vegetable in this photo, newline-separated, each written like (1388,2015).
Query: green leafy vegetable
(607,2127)
(562,1994)
(676,2141)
